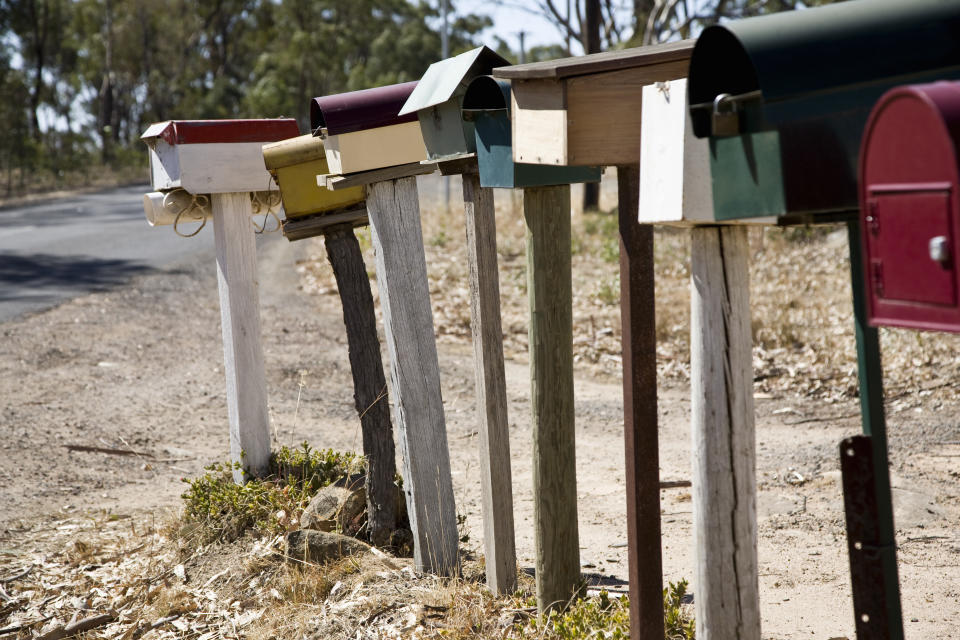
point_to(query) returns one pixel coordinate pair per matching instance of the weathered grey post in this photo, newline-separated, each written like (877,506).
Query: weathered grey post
(408,323)
(450,142)
(201,169)
(724,454)
(495,475)
(546,211)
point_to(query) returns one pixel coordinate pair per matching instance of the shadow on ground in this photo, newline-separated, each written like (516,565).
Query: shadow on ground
(23,276)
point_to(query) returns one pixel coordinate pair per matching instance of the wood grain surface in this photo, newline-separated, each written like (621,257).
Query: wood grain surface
(549,291)
(408,323)
(495,477)
(724,456)
(240,322)
(369,383)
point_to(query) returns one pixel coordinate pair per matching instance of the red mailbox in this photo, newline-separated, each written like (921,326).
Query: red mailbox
(910,207)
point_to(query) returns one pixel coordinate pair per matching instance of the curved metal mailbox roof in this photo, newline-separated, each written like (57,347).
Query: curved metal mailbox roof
(486,93)
(175,132)
(360,110)
(835,58)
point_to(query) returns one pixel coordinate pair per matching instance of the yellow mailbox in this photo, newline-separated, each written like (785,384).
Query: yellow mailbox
(295,165)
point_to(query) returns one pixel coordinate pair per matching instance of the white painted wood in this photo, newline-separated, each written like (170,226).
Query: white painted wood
(240,322)
(222,167)
(394,214)
(676,186)
(724,457)
(163,207)
(495,477)
(375,148)
(335,182)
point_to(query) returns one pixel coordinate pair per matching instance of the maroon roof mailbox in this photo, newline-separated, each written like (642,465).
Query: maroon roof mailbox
(361,130)
(910,207)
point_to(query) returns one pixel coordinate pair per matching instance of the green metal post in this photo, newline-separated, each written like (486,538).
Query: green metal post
(870,373)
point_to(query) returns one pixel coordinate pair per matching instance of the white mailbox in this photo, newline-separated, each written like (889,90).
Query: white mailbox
(676,186)
(213,156)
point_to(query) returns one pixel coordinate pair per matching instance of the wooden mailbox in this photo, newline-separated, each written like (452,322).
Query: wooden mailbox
(308,207)
(438,98)
(487,105)
(573,111)
(784,98)
(362,131)
(213,156)
(910,208)
(188,160)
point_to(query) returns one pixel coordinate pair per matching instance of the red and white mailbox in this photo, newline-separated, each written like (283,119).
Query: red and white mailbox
(910,207)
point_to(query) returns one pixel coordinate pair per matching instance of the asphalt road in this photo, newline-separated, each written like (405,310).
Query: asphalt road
(57,250)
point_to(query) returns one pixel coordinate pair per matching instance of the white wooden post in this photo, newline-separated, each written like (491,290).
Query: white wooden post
(495,477)
(724,458)
(240,321)
(394,213)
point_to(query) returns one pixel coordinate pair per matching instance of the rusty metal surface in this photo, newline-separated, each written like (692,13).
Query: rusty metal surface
(863,539)
(360,110)
(175,132)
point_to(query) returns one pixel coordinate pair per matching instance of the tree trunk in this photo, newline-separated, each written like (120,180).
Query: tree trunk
(591,44)
(369,382)
(106,87)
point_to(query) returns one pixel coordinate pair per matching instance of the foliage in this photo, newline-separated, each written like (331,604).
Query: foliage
(609,618)
(225,510)
(81,79)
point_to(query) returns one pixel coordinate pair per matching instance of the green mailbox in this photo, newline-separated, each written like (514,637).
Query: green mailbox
(784,98)
(487,105)
(438,98)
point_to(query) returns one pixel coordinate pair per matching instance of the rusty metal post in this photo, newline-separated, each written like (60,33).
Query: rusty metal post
(640,411)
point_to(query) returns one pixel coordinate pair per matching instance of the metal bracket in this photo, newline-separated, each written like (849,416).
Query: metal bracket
(863,539)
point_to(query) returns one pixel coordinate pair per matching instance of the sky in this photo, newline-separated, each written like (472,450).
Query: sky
(512,16)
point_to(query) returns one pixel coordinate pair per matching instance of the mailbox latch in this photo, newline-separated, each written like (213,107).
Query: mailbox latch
(876,276)
(939,248)
(726,117)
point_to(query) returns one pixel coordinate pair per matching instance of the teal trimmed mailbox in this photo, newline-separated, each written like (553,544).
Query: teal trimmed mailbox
(487,104)
(784,98)
(438,99)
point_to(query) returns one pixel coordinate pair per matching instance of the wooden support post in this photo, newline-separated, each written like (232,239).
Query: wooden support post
(641,442)
(549,291)
(870,373)
(369,383)
(408,323)
(495,477)
(240,321)
(724,456)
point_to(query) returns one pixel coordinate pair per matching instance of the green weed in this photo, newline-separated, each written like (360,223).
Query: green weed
(221,509)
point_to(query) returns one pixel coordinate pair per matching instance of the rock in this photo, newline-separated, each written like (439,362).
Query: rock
(307,545)
(336,507)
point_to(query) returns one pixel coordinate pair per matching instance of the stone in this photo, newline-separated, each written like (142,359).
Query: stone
(337,507)
(307,545)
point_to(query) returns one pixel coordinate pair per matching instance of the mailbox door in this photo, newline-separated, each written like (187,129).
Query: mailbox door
(900,226)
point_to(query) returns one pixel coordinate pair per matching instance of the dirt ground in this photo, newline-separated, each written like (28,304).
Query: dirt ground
(140,367)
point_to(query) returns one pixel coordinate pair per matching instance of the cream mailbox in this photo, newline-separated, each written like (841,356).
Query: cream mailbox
(361,130)
(573,111)
(308,207)
(438,98)
(210,168)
